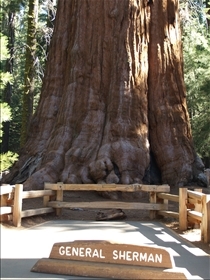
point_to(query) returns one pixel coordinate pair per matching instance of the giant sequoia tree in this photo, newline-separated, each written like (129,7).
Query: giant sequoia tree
(113,102)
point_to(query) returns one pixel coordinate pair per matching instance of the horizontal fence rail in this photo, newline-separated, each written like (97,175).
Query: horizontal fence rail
(107,205)
(153,206)
(194,206)
(107,187)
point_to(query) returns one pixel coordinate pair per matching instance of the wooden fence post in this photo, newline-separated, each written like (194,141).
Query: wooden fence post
(183,209)
(198,208)
(205,223)
(47,198)
(59,197)
(152,199)
(17,209)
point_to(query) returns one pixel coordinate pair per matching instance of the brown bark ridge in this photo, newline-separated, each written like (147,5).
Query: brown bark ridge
(113,99)
(170,132)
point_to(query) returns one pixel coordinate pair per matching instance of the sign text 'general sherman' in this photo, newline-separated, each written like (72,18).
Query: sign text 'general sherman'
(103,251)
(104,259)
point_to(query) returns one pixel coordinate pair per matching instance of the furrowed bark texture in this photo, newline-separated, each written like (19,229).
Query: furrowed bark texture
(170,133)
(113,99)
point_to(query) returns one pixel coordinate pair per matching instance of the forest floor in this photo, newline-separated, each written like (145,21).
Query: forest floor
(192,234)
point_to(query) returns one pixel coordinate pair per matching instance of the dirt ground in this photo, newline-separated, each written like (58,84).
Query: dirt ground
(192,234)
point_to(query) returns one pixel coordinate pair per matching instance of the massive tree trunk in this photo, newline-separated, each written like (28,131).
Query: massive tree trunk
(113,103)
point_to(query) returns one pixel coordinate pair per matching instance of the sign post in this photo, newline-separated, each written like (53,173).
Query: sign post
(106,259)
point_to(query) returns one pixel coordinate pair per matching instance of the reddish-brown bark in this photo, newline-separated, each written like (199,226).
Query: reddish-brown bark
(113,94)
(170,133)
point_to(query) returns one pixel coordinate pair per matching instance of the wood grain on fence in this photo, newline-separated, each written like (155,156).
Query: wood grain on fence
(107,187)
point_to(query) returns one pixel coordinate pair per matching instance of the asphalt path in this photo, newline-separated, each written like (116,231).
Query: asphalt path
(22,248)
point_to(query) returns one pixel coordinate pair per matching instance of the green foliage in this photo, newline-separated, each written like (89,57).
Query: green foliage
(5,112)
(4,51)
(7,160)
(5,116)
(13,20)
(5,77)
(196,50)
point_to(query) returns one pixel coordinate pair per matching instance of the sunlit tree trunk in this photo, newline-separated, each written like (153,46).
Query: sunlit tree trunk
(29,73)
(113,103)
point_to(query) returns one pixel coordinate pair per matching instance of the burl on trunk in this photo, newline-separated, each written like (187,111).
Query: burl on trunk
(113,103)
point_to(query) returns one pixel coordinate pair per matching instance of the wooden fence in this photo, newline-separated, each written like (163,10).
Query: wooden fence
(12,199)
(194,206)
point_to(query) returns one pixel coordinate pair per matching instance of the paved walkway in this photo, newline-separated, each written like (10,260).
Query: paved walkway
(20,249)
